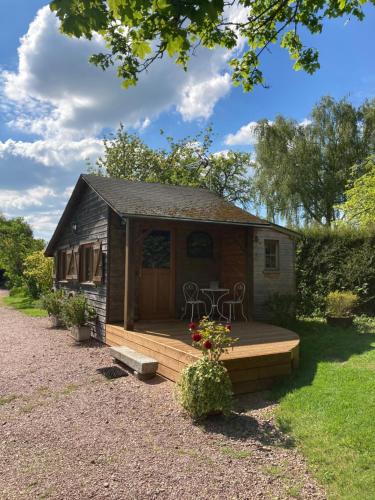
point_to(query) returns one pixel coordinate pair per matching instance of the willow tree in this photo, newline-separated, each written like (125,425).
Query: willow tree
(138,32)
(302,169)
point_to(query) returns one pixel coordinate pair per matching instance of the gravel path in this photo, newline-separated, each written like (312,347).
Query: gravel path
(66,432)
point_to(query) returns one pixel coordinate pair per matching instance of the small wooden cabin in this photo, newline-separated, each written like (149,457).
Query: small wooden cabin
(130,246)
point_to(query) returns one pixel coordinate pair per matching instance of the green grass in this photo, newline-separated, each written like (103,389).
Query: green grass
(236,454)
(328,406)
(25,304)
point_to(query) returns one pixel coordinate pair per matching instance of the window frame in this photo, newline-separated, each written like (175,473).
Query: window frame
(275,254)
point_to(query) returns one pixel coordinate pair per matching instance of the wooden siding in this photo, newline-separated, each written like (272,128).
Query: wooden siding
(91,217)
(262,354)
(269,282)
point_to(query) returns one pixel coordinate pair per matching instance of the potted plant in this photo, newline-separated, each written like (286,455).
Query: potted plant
(340,307)
(76,313)
(53,303)
(205,387)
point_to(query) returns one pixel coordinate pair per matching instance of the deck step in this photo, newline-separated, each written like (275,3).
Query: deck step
(144,366)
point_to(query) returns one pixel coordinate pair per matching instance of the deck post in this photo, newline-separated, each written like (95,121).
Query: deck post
(129,293)
(250,272)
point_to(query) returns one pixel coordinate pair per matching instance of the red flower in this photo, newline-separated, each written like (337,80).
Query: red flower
(196,337)
(192,326)
(208,344)
(228,326)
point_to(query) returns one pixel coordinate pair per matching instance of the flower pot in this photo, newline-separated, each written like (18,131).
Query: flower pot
(343,321)
(55,322)
(80,333)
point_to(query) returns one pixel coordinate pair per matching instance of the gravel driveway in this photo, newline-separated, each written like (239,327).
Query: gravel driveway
(67,432)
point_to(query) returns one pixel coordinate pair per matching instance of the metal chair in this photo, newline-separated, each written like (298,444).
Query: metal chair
(239,290)
(191,292)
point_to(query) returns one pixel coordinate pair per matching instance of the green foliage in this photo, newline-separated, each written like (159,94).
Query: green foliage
(138,32)
(335,259)
(359,207)
(16,243)
(38,273)
(53,303)
(301,170)
(341,304)
(282,308)
(185,162)
(328,405)
(205,388)
(76,311)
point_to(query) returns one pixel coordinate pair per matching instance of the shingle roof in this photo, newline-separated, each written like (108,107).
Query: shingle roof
(156,200)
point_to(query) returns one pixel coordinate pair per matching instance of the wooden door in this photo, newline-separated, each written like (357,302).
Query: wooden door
(156,297)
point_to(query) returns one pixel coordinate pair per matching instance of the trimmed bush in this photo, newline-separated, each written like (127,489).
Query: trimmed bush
(341,304)
(205,388)
(282,308)
(328,260)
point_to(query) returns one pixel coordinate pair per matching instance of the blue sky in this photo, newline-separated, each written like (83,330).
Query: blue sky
(54,106)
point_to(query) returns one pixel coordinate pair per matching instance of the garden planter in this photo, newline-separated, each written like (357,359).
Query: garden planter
(55,322)
(80,333)
(343,321)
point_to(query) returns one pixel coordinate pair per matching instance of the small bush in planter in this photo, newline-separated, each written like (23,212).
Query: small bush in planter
(205,387)
(340,307)
(53,303)
(76,313)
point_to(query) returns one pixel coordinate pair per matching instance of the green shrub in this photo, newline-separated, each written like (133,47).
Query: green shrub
(341,304)
(205,388)
(38,273)
(76,311)
(335,259)
(282,308)
(53,303)
(19,291)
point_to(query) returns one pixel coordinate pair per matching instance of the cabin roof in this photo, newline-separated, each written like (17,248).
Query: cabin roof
(159,201)
(145,199)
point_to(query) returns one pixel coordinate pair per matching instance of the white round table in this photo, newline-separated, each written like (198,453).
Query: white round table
(214,295)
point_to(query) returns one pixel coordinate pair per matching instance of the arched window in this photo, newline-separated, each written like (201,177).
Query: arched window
(200,245)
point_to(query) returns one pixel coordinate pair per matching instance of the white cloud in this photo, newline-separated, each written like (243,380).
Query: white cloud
(57,92)
(54,152)
(305,122)
(12,199)
(244,136)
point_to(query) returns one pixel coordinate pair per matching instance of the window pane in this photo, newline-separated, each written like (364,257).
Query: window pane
(271,251)
(200,245)
(157,250)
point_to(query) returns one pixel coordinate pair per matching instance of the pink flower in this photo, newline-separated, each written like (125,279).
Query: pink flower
(196,337)
(207,344)
(228,326)
(192,326)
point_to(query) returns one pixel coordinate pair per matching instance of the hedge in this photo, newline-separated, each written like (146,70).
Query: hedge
(335,259)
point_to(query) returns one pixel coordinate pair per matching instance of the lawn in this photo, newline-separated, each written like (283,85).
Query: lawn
(25,304)
(328,406)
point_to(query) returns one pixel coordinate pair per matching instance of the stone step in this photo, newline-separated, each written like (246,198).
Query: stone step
(144,366)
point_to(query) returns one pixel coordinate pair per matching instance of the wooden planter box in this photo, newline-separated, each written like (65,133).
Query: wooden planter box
(80,333)
(342,321)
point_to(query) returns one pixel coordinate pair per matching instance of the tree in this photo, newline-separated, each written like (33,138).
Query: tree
(137,32)
(186,162)
(16,242)
(301,170)
(38,273)
(359,207)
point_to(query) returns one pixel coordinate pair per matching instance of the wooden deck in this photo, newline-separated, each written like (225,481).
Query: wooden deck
(262,354)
